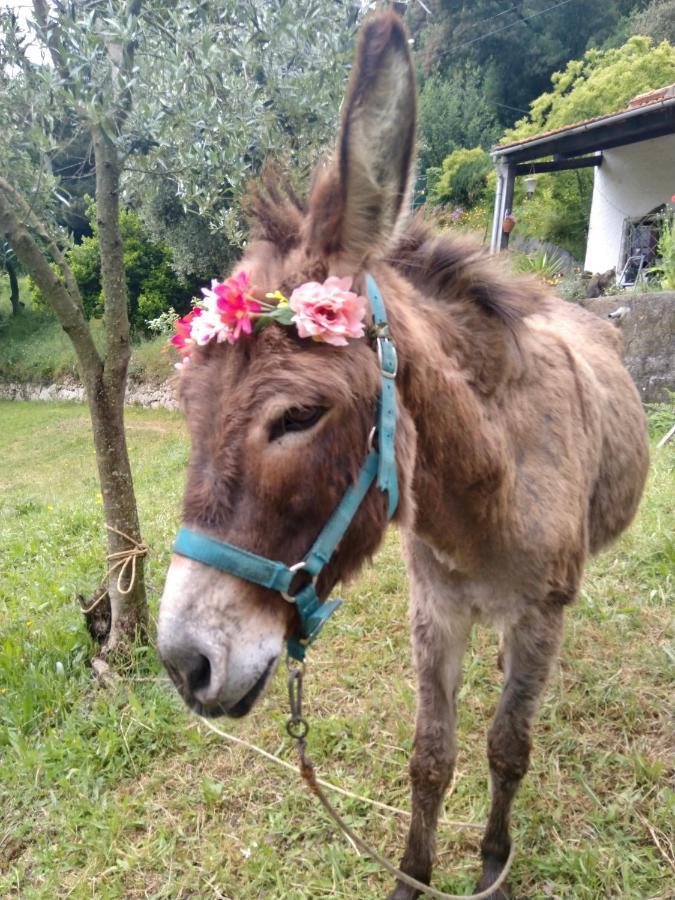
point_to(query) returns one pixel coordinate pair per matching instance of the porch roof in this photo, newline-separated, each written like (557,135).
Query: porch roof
(648,116)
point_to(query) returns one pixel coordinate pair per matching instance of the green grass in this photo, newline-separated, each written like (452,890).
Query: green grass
(34,347)
(117,792)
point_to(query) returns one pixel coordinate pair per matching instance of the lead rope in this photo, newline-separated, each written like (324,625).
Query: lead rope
(298,727)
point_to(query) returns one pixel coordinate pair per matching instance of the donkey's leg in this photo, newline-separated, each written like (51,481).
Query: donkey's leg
(439,641)
(528,653)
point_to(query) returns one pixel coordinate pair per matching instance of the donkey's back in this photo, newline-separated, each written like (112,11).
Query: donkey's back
(593,414)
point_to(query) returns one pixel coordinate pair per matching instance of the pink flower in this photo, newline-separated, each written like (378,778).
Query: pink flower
(328,312)
(230,308)
(182,339)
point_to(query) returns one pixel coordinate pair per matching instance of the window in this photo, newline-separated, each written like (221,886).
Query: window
(638,246)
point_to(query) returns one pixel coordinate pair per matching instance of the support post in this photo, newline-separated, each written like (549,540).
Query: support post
(497,214)
(507,203)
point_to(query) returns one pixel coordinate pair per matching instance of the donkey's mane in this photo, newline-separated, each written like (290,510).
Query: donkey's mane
(444,266)
(451,268)
(274,211)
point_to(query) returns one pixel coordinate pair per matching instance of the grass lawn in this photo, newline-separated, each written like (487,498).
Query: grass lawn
(117,792)
(34,347)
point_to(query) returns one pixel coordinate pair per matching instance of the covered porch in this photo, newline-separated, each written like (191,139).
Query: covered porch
(633,153)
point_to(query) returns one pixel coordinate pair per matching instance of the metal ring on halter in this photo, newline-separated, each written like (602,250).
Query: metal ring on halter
(371,437)
(297,567)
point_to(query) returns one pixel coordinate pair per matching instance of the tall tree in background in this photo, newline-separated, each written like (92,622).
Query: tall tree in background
(657,21)
(514,46)
(454,112)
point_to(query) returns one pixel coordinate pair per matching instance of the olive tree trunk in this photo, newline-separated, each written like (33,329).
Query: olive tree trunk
(13,287)
(128,611)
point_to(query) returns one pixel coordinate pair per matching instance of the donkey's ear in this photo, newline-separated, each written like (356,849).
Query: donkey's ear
(355,209)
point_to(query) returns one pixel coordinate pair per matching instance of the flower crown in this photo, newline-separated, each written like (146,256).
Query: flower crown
(328,312)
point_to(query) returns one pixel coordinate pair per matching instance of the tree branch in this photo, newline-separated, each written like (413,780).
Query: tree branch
(41,10)
(68,308)
(29,218)
(122,62)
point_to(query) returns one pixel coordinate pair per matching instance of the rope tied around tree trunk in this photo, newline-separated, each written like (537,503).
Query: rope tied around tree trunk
(125,562)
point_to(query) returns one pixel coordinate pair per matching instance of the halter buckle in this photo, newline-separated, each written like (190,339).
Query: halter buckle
(387,357)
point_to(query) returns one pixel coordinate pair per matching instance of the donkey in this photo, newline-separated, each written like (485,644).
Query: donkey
(520,448)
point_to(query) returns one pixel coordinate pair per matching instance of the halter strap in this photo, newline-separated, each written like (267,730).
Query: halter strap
(380,463)
(386,407)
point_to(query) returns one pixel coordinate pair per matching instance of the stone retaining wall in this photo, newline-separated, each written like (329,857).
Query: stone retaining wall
(646,320)
(153,396)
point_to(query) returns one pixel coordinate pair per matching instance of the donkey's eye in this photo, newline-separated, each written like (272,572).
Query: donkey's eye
(299,418)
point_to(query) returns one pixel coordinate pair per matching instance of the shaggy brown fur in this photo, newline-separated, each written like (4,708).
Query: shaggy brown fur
(521,443)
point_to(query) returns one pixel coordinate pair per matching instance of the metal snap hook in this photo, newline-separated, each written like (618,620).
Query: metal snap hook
(296,726)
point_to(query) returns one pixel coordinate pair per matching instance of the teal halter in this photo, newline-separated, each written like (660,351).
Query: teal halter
(380,462)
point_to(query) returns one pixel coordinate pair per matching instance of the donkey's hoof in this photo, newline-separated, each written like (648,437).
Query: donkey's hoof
(403,892)
(502,893)
(489,877)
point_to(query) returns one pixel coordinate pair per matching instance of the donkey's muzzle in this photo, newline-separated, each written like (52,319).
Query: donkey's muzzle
(219,644)
(201,680)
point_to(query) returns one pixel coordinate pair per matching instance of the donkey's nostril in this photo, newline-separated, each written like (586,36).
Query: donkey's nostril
(198,672)
(193,672)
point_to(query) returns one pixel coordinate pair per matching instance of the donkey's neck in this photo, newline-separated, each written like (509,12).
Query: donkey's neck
(455,359)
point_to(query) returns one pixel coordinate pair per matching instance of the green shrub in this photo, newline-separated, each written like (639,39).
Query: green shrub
(665,250)
(559,210)
(85,261)
(152,285)
(164,323)
(544,264)
(463,177)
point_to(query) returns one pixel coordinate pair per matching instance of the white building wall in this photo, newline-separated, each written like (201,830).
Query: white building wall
(630,183)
